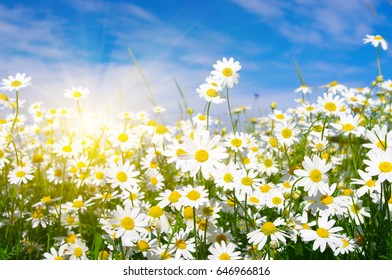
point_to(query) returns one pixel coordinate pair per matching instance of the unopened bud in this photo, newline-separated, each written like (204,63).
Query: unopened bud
(273,105)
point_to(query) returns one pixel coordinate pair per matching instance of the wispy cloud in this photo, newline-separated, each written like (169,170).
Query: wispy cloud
(315,22)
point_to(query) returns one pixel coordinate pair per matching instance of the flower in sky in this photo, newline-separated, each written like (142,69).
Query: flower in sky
(77,93)
(225,72)
(122,175)
(314,178)
(16,83)
(303,89)
(376,41)
(380,164)
(129,223)
(20,174)
(268,231)
(223,251)
(325,234)
(210,93)
(202,153)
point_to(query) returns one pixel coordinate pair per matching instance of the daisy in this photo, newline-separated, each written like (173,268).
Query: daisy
(286,133)
(132,196)
(376,41)
(268,231)
(313,175)
(122,175)
(268,165)
(76,250)
(346,246)
(38,217)
(323,235)
(128,223)
(225,176)
(380,164)
(275,199)
(278,116)
(155,180)
(124,139)
(183,246)
(304,89)
(334,87)
(77,93)
(16,83)
(194,196)
(387,85)
(78,204)
(171,198)
(225,72)
(158,218)
(20,174)
(246,181)
(202,153)
(56,255)
(223,251)
(357,212)
(368,185)
(66,149)
(349,125)
(330,104)
(210,93)
(236,142)
(379,137)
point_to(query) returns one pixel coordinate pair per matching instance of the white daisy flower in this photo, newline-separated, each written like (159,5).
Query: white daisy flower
(225,72)
(223,251)
(15,83)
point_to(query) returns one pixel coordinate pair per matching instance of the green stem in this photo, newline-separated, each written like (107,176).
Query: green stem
(229,107)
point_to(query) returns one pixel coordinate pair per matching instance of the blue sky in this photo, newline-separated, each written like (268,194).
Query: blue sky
(67,43)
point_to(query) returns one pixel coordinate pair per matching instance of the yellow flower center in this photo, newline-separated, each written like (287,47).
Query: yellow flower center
(20,174)
(99,175)
(212,93)
(370,183)
(155,211)
(77,94)
(224,256)
(265,188)
(58,258)
(3,97)
(385,167)
(78,204)
(207,211)
(174,196)
(330,106)
(326,199)
(143,245)
(180,152)
(305,226)
(122,177)
(123,137)
(322,232)
(378,38)
(67,149)
(153,164)
(345,243)
(221,237)
(319,146)
(180,244)
(201,155)
(268,228)
(151,123)
(38,214)
(38,158)
(103,255)
(188,213)
(254,199)
(193,195)
(246,160)
(236,142)
(203,225)
(315,175)
(247,181)
(276,200)
(268,163)
(81,165)
(280,116)
(70,220)
(227,72)
(127,223)
(161,129)
(153,181)
(287,133)
(381,145)
(228,178)
(58,173)
(71,238)
(333,83)
(273,142)
(309,108)
(165,256)
(46,199)
(78,252)
(348,127)
(16,83)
